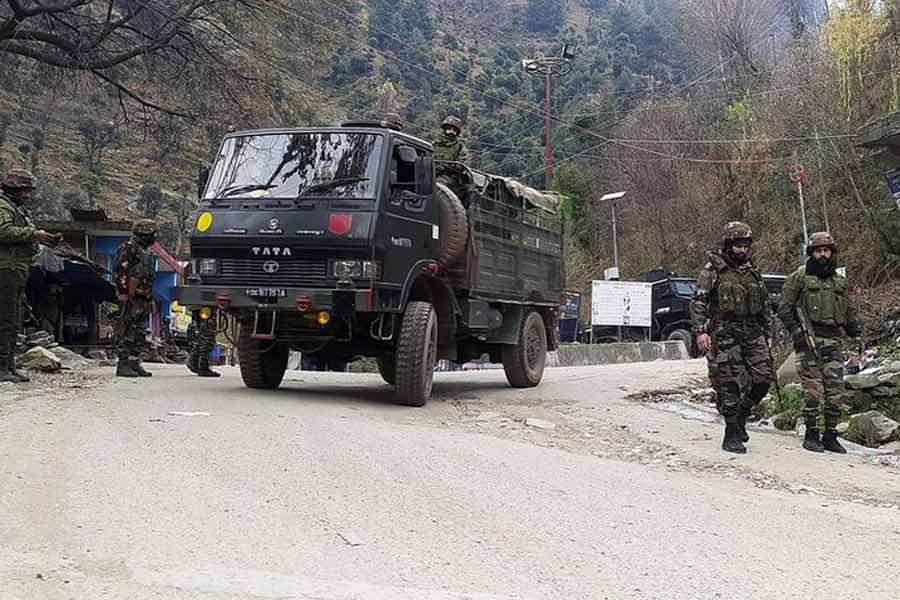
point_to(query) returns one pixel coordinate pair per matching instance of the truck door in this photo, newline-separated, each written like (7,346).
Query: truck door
(411,231)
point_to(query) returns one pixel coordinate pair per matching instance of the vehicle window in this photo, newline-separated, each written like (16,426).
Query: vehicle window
(343,165)
(685,288)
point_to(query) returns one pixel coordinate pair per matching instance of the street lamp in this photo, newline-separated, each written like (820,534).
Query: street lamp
(612,198)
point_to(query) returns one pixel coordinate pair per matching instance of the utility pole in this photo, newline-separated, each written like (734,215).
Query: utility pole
(547,68)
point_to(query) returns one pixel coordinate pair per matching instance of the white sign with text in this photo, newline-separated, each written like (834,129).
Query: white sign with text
(626,303)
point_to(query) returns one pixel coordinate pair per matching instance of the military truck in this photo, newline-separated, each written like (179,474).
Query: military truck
(339,242)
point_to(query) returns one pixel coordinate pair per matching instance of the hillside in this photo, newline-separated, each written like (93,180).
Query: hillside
(696,107)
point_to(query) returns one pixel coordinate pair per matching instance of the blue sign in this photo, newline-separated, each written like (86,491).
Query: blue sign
(893,181)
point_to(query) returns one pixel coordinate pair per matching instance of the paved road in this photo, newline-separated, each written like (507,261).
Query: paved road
(324,490)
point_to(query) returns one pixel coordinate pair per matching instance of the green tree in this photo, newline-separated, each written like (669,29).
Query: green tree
(544,16)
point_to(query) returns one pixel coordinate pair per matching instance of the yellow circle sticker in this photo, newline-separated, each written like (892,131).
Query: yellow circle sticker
(204,222)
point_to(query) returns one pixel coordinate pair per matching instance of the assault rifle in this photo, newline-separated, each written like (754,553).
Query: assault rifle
(807,330)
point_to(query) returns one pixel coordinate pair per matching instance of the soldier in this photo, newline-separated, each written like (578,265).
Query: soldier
(450,147)
(824,297)
(133,271)
(202,336)
(732,320)
(19,241)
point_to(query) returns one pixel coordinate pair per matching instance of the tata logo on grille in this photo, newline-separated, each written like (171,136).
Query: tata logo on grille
(271,267)
(270,251)
(273,224)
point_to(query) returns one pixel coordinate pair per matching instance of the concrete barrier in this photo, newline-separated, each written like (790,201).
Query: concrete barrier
(582,355)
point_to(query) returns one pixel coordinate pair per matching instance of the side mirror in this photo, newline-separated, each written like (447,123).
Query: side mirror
(425,175)
(406,154)
(202,179)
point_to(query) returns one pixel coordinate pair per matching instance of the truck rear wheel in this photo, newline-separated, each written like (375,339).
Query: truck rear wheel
(416,354)
(263,362)
(387,368)
(524,363)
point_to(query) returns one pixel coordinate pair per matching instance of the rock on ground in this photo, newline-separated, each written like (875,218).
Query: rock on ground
(871,429)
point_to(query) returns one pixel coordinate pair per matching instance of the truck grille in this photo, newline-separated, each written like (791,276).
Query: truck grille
(291,272)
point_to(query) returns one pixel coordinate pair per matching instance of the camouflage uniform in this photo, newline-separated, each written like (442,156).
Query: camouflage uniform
(824,298)
(18,245)
(133,270)
(449,147)
(731,306)
(202,337)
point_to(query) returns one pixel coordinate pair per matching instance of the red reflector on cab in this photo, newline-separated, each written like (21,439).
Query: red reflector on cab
(339,224)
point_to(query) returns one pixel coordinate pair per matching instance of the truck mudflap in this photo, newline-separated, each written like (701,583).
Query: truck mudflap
(338,301)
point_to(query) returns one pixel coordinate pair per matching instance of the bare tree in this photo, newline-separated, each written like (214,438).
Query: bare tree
(135,47)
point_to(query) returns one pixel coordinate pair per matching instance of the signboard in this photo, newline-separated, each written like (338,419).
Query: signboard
(571,305)
(568,317)
(893,182)
(625,303)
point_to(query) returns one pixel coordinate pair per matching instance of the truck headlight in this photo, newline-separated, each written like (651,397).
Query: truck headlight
(207,266)
(354,269)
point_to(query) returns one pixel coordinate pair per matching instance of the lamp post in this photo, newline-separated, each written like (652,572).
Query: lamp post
(548,67)
(612,199)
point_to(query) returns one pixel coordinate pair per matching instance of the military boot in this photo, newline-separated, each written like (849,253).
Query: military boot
(7,377)
(141,371)
(830,442)
(18,375)
(192,362)
(732,441)
(742,427)
(812,441)
(203,369)
(125,368)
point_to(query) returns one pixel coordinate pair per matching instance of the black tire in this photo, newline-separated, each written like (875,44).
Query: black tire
(416,354)
(524,363)
(454,226)
(387,369)
(683,335)
(262,362)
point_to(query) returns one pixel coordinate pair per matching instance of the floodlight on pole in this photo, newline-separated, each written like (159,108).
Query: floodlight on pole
(548,67)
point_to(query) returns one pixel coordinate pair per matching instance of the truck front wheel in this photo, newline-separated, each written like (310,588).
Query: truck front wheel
(416,354)
(263,363)
(387,369)
(524,362)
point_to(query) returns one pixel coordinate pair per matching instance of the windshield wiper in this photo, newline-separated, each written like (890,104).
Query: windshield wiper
(330,185)
(237,189)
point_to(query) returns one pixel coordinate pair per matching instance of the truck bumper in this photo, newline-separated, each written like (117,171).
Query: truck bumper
(338,301)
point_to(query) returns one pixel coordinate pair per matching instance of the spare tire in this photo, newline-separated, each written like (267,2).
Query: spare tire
(454,226)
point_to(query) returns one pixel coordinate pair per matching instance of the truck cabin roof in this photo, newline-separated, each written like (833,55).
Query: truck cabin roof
(370,127)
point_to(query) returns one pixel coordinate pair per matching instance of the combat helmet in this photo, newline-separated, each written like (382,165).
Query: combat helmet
(454,122)
(821,239)
(145,227)
(735,231)
(19,179)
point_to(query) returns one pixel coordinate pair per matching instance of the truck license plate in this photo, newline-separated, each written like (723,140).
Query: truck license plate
(266,292)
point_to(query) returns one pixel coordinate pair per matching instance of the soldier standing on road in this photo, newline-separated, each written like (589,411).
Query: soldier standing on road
(202,336)
(19,241)
(133,270)
(732,320)
(825,299)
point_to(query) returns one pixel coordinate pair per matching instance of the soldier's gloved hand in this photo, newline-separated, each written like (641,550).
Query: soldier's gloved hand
(799,339)
(46,238)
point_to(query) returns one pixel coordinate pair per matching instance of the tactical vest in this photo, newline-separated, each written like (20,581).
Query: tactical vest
(17,257)
(740,293)
(825,300)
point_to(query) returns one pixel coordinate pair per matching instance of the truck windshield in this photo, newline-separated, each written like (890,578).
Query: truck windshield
(286,165)
(684,288)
